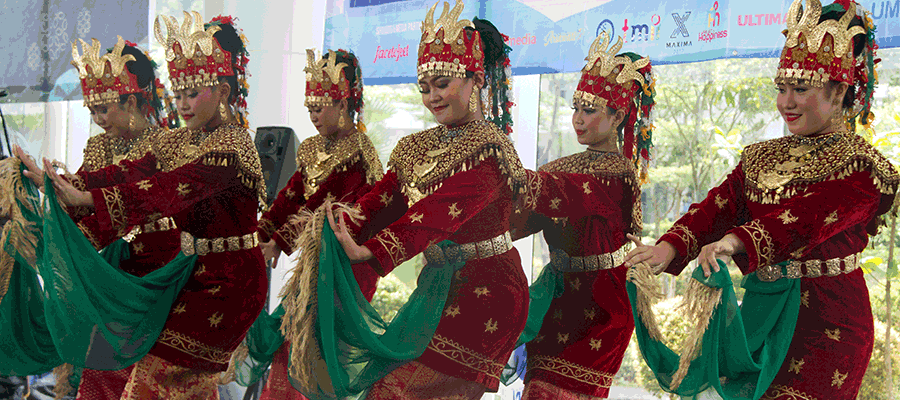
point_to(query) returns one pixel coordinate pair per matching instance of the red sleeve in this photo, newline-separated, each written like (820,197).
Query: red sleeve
(803,222)
(723,208)
(437,216)
(380,207)
(287,203)
(164,193)
(524,223)
(125,171)
(562,194)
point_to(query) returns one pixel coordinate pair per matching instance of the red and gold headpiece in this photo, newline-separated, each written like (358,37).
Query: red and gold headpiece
(194,56)
(445,48)
(818,52)
(621,82)
(325,80)
(103,78)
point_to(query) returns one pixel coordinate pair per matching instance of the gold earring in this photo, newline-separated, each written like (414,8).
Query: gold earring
(223,112)
(473,100)
(342,123)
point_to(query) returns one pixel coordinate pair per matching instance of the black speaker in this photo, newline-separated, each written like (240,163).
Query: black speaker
(277,147)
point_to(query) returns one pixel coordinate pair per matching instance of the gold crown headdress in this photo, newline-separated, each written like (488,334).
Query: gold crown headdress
(194,56)
(325,80)
(445,49)
(103,78)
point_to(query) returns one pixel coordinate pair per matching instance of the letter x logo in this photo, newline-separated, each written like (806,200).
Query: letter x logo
(679,22)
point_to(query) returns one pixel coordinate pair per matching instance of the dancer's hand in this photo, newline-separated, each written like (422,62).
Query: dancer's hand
(32,170)
(658,256)
(67,193)
(271,251)
(728,246)
(355,252)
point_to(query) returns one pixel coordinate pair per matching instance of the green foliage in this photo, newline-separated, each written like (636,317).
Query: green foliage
(391,294)
(671,321)
(873,384)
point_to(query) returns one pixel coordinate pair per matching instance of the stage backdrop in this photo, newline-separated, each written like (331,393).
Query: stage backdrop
(37,42)
(550,36)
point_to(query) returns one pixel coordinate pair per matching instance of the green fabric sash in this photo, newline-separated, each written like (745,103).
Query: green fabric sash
(548,286)
(745,345)
(87,313)
(263,340)
(358,347)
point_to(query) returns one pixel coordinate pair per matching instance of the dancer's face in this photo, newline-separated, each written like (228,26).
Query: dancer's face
(199,107)
(114,118)
(448,98)
(808,110)
(596,127)
(326,119)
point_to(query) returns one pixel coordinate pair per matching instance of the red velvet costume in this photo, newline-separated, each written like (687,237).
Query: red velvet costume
(820,218)
(210,183)
(453,184)
(342,170)
(583,339)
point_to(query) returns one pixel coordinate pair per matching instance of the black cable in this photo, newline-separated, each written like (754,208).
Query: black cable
(5,131)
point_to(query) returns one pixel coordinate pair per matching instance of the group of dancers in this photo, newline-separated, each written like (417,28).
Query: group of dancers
(795,208)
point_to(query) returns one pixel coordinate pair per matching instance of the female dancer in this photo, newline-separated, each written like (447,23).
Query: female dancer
(582,341)
(207,176)
(340,163)
(801,207)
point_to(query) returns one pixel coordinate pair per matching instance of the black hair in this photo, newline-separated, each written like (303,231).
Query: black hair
(859,44)
(231,42)
(143,70)
(496,71)
(492,40)
(352,78)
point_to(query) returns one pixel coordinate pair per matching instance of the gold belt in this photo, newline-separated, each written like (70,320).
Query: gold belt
(469,251)
(793,270)
(160,225)
(200,246)
(566,263)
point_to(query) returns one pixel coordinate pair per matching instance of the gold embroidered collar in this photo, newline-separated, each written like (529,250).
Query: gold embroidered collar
(424,159)
(779,168)
(104,150)
(318,159)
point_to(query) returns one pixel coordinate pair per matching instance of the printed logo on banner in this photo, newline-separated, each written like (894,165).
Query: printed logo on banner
(524,40)
(562,37)
(631,31)
(887,9)
(681,34)
(713,21)
(761,19)
(394,53)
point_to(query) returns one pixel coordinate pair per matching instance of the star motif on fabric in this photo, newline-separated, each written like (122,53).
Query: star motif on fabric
(587,189)
(838,378)
(385,198)
(833,334)
(787,218)
(557,314)
(576,283)
(595,344)
(692,211)
(290,193)
(720,202)
(452,311)
(590,313)
(215,319)
(200,270)
(490,326)
(144,184)
(416,217)
(184,189)
(454,211)
(138,247)
(181,308)
(796,365)
(562,337)
(215,289)
(798,253)
(833,217)
(804,298)
(554,204)
(483,290)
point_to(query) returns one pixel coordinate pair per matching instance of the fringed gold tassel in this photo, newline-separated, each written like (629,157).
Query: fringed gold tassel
(700,301)
(62,374)
(20,233)
(300,301)
(649,292)
(237,358)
